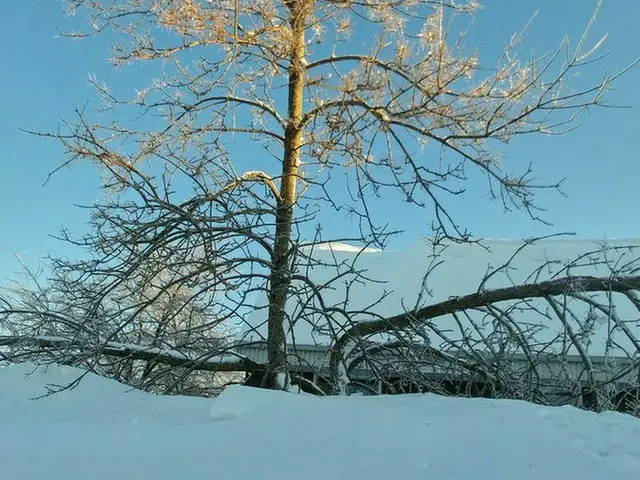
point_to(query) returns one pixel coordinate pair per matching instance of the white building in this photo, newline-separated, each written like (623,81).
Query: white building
(398,282)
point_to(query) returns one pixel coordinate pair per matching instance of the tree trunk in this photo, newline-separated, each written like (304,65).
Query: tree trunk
(277,375)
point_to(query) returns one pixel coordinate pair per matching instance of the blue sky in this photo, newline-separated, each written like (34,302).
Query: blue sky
(44,78)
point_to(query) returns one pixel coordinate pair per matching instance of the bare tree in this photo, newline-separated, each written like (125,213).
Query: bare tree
(331,123)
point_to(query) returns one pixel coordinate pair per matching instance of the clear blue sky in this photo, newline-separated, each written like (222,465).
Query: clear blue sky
(44,78)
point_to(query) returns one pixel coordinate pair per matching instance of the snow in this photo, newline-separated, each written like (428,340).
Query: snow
(400,275)
(101,430)
(342,247)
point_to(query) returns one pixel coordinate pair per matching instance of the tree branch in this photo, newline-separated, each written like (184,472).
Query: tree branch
(228,362)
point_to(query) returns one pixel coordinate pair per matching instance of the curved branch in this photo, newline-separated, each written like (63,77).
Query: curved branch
(311,114)
(250,176)
(360,58)
(240,101)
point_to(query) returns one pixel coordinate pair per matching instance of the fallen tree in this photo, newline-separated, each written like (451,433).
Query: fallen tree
(349,345)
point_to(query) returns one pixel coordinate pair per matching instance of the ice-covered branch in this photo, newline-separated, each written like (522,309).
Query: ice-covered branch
(225,362)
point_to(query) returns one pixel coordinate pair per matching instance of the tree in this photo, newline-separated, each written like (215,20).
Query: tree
(334,126)
(145,331)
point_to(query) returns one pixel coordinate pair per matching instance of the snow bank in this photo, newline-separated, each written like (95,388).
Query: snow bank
(103,430)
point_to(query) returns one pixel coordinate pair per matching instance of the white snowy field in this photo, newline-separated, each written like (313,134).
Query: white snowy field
(103,430)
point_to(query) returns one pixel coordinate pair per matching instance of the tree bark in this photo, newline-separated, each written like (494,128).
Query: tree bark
(277,375)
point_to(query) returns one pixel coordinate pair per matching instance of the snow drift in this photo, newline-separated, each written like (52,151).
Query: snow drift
(104,430)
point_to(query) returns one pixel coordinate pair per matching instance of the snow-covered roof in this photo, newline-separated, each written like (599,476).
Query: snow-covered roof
(341,247)
(458,269)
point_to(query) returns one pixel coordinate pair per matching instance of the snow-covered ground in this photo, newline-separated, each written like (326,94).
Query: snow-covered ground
(103,430)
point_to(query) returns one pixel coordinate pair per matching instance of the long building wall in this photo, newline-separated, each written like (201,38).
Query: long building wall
(622,371)
(557,383)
